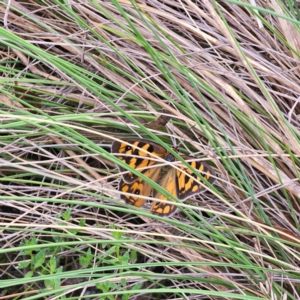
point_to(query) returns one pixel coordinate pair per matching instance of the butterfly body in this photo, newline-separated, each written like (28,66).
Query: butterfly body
(153,161)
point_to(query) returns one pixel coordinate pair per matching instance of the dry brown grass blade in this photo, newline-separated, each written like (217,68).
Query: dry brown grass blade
(288,30)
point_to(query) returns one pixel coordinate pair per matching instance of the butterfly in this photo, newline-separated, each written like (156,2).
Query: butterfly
(148,158)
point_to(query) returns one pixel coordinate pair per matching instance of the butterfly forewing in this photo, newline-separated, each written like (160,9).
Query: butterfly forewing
(187,182)
(138,154)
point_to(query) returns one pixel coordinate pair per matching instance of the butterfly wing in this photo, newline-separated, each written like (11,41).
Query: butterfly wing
(187,182)
(138,187)
(168,182)
(136,158)
(181,183)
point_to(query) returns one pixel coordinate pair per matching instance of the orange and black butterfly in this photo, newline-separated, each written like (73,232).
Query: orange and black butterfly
(147,157)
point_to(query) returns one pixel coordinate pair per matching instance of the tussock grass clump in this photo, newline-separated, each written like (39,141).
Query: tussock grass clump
(223,77)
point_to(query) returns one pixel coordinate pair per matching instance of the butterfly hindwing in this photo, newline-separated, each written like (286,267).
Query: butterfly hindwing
(139,187)
(137,158)
(168,182)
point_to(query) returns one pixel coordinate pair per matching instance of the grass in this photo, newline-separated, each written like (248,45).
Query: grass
(76,76)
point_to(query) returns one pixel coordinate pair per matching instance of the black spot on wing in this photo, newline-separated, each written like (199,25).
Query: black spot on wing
(150,148)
